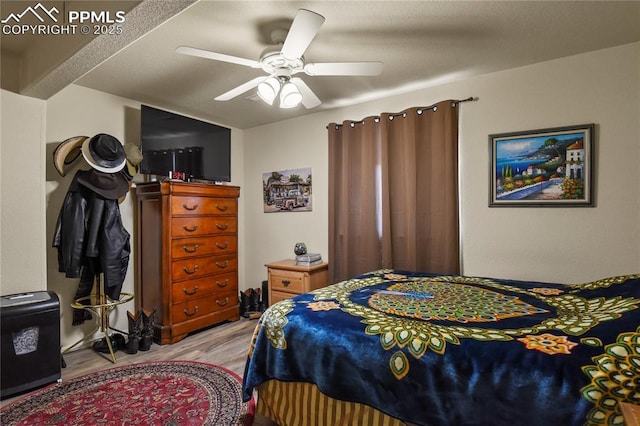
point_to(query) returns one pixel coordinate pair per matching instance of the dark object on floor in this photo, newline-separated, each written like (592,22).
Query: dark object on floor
(254,300)
(244,303)
(265,293)
(117,343)
(252,304)
(146,335)
(135,332)
(30,343)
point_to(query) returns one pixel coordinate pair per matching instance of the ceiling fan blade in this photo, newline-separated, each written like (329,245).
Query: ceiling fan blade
(240,89)
(309,99)
(344,68)
(304,28)
(192,51)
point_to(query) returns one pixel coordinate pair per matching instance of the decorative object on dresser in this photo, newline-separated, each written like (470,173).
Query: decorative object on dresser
(187,253)
(300,249)
(286,279)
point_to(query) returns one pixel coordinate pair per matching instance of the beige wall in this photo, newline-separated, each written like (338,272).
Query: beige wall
(22,206)
(546,244)
(563,244)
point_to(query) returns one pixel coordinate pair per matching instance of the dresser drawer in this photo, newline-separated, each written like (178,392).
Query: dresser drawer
(189,247)
(185,205)
(196,226)
(206,286)
(287,281)
(200,266)
(197,307)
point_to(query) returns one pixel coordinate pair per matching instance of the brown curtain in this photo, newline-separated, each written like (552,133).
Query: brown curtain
(393,192)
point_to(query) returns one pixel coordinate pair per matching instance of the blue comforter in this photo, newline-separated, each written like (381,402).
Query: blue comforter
(457,350)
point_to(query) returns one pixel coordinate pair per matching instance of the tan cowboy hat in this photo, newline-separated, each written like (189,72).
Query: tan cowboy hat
(67,152)
(134,158)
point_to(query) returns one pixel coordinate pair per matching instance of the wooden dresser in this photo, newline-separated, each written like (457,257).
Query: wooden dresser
(187,256)
(286,279)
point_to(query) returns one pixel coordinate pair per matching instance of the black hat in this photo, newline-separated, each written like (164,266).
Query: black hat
(104,153)
(109,185)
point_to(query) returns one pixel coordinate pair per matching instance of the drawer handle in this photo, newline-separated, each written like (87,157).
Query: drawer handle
(222,246)
(189,314)
(222,265)
(222,208)
(190,271)
(224,284)
(286,282)
(186,207)
(226,301)
(190,292)
(190,250)
(190,229)
(222,227)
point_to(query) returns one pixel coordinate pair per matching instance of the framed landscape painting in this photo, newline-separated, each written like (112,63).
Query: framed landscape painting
(542,168)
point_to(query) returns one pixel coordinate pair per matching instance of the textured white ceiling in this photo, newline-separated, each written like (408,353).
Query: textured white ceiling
(420,42)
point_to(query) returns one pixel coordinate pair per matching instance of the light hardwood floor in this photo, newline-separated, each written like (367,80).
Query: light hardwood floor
(225,345)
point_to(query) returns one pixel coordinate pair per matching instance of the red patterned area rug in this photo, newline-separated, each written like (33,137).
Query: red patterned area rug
(155,393)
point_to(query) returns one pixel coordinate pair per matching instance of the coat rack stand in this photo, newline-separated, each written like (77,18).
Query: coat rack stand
(100,305)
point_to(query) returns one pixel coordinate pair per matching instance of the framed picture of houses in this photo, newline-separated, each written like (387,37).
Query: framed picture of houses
(287,190)
(542,168)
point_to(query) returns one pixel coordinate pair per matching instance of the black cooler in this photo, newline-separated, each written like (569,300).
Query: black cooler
(30,341)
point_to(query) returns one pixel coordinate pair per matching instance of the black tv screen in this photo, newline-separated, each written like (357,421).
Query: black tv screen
(175,143)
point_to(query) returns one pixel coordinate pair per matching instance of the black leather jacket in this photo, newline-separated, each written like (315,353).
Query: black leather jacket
(90,235)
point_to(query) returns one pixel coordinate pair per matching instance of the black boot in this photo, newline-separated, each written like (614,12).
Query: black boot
(265,294)
(244,304)
(135,331)
(254,299)
(146,337)
(261,305)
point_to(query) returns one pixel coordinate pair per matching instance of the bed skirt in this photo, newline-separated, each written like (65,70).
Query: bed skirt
(294,404)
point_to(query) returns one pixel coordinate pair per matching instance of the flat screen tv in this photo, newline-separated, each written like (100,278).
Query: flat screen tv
(175,143)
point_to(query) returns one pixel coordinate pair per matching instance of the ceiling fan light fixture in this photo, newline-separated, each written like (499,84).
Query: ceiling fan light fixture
(290,96)
(285,59)
(268,89)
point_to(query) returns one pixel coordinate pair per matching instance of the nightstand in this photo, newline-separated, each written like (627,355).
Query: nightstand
(286,279)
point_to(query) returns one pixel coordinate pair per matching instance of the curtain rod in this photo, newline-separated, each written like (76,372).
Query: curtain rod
(433,107)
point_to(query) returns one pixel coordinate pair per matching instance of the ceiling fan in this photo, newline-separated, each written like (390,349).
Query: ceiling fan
(283,61)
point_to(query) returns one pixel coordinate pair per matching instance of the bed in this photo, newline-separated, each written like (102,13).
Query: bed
(393,347)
